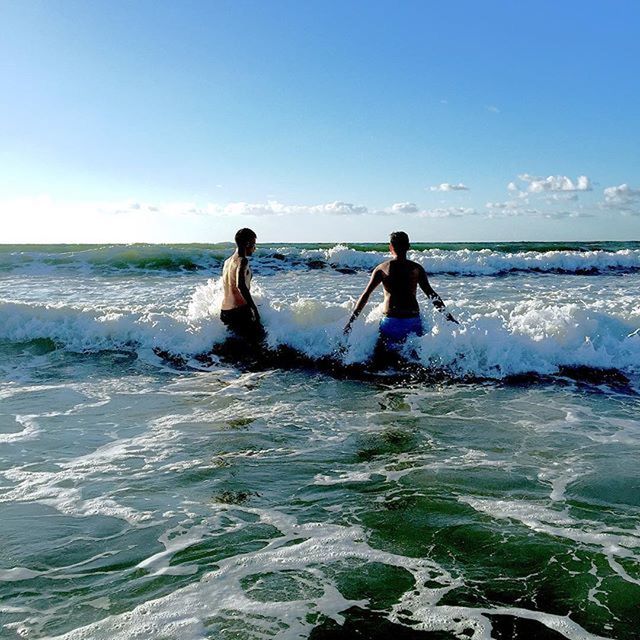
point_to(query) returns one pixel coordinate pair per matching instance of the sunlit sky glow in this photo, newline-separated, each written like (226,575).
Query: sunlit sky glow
(324,121)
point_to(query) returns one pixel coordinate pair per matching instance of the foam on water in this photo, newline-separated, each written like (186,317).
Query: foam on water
(194,258)
(301,554)
(533,337)
(140,500)
(488,262)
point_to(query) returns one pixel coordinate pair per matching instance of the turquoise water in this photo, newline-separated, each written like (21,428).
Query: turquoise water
(144,501)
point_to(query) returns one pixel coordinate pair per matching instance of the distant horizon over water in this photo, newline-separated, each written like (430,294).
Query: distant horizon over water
(351,243)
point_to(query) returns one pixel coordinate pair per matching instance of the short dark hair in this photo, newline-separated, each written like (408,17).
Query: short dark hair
(245,236)
(399,241)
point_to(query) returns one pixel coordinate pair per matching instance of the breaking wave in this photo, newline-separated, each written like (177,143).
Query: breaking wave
(535,337)
(470,260)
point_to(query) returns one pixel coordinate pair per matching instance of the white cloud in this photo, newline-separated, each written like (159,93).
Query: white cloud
(623,198)
(492,108)
(563,197)
(515,208)
(340,208)
(404,207)
(559,215)
(275,208)
(536,184)
(447,186)
(502,206)
(623,193)
(447,212)
(510,209)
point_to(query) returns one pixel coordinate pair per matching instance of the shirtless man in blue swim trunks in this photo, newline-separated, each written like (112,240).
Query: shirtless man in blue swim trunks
(400,279)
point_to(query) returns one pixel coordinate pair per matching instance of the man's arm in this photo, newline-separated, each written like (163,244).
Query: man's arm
(433,296)
(374,281)
(244,289)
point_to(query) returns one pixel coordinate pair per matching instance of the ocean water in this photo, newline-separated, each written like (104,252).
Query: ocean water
(495,496)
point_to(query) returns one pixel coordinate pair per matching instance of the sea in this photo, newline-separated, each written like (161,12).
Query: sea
(155,484)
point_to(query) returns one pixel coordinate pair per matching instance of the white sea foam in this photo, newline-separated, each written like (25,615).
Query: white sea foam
(560,524)
(158,258)
(297,554)
(29,431)
(486,261)
(534,336)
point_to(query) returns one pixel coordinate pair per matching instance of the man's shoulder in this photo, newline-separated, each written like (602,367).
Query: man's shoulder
(415,265)
(383,267)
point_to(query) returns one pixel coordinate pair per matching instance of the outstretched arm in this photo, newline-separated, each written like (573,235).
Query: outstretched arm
(433,296)
(241,282)
(374,281)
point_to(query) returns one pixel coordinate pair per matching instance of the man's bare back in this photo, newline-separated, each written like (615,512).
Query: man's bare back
(233,270)
(400,282)
(400,279)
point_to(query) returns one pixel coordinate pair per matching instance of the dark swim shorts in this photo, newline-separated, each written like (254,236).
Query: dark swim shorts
(396,330)
(241,321)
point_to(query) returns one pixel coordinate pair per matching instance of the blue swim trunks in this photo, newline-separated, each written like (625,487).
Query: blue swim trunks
(396,330)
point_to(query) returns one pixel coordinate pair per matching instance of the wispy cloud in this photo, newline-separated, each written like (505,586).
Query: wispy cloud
(492,108)
(623,193)
(622,198)
(447,212)
(404,207)
(503,206)
(448,186)
(275,208)
(537,184)
(562,197)
(517,208)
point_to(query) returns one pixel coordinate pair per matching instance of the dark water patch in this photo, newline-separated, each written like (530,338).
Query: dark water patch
(595,376)
(504,627)
(240,423)
(381,584)
(363,624)
(607,496)
(231,496)
(35,347)
(390,441)
(210,550)
(345,270)
(388,368)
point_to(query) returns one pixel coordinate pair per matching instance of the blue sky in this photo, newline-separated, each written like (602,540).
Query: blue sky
(328,121)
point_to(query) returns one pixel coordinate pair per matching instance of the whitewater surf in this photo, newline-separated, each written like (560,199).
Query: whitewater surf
(488,488)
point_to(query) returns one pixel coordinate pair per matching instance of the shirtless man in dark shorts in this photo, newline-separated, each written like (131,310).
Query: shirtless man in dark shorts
(239,312)
(400,279)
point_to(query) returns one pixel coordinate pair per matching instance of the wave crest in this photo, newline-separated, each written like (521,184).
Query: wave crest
(202,258)
(534,337)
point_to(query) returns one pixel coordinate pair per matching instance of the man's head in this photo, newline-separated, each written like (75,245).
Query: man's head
(399,243)
(246,241)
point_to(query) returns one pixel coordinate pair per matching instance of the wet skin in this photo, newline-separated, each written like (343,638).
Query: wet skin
(400,279)
(236,280)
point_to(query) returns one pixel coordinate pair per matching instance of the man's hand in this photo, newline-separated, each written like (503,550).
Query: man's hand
(450,318)
(347,329)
